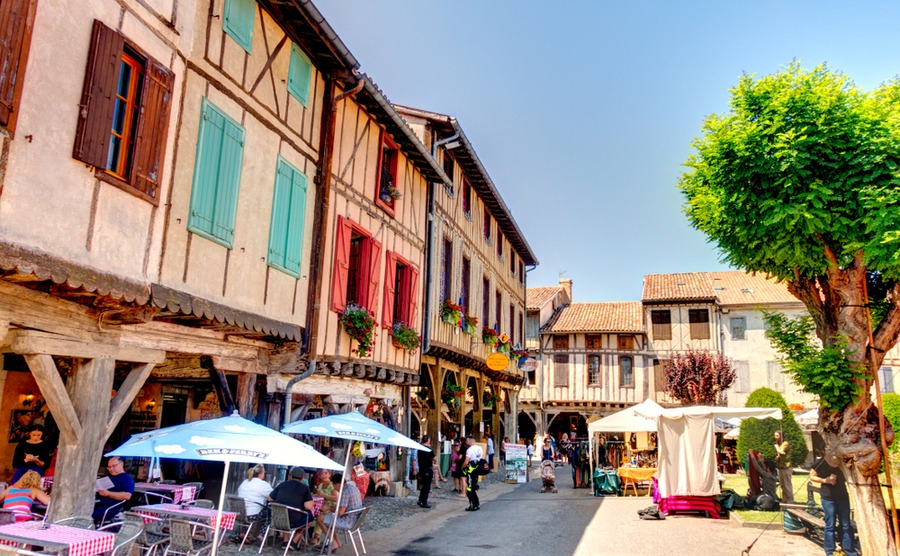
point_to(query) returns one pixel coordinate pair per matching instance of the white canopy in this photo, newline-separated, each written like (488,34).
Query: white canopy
(687,446)
(808,419)
(628,420)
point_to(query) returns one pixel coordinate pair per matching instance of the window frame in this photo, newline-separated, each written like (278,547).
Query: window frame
(594,375)
(661,328)
(400,303)
(485,301)
(488,226)
(293,222)
(449,167)
(593,341)
(237,28)
(622,382)
(743,335)
(369,267)
(467,198)
(391,151)
(561,370)
(127,134)
(624,342)
(699,328)
(465,284)
(447,269)
(741,383)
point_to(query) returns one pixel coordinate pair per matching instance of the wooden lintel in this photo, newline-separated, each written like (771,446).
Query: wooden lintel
(182,339)
(125,395)
(43,343)
(33,309)
(54,391)
(238,365)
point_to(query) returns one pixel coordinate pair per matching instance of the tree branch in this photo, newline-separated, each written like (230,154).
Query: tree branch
(885,336)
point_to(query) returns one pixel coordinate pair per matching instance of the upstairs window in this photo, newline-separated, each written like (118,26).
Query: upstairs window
(485,302)
(467,198)
(561,342)
(738,328)
(512,262)
(499,244)
(388,185)
(15,41)
(124,114)
(625,343)
(448,166)
(661,322)
(741,376)
(521,272)
(464,287)
(560,370)
(775,376)
(593,378)
(356,267)
(498,310)
(886,376)
(699,320)
(487,225)
(299,75)
(238,21)
(401,284)
(447,270)
(626,372)
(512,323)
(593,341)
(288,218)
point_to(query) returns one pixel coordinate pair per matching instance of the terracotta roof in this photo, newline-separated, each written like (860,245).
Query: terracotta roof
(741,288)
(535,298)
(678,287)
(621,316)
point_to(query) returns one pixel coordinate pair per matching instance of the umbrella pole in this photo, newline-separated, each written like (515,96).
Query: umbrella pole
(218,522)
(337,506)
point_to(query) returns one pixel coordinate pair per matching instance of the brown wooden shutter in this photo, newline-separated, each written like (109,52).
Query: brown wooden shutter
(390,280)
(343,235)
(153,123)
(98,96)
(16,23)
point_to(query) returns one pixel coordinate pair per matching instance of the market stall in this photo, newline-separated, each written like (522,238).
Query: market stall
(639,442)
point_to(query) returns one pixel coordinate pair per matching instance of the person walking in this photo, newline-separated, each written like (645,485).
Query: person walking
(529,449)
(503,444)
(835,503)
(456,458)
(783,465)
(490,451)
(426,472)
(474,454)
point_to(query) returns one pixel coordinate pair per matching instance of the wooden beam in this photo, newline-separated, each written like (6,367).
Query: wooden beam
(35,342)
(125,395)
(32,309)
(54,391)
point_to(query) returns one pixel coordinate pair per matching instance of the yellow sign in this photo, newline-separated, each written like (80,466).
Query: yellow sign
(497,361)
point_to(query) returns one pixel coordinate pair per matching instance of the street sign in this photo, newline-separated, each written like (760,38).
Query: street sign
(497,361)
(528,365)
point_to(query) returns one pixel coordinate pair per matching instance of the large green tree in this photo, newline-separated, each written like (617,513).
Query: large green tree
(801,180)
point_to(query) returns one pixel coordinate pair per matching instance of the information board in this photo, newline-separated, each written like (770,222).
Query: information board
(516,463)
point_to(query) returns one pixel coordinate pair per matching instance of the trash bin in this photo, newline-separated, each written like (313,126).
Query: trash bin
(445,458)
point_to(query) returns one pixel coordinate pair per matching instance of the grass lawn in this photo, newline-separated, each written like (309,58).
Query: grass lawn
(739,484)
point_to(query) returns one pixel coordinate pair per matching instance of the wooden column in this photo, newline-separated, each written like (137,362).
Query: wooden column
(478,408)
(246,391)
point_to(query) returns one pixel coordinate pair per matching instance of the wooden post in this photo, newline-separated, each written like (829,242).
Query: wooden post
(246,391)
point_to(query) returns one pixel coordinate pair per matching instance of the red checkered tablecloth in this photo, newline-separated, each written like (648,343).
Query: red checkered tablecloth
(191,513)
(82,542)
(318,502)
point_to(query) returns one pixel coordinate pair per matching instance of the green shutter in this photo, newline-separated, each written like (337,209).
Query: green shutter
(217,172)
(288,215)
(238,21)
(299,75)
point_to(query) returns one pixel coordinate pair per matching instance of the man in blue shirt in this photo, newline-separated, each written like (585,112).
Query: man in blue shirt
(123,487)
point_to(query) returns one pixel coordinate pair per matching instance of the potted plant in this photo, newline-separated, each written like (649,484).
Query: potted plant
(518,355)
(489,337)
(503,344)
(490,400)
(360,325)
(452,395)
(387,191)
(404,337)
(451,312)
(470,323)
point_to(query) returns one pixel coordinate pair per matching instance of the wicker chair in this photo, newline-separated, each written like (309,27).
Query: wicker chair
(242,522)
(281,523)
(152,535)
(77,521)
(182,541)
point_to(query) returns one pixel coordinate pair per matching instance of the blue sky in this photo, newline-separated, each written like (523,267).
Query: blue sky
(584,111)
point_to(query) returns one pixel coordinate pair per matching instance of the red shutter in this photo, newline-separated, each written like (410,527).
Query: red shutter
(152,126)
(16,23)
(374,252)
(341,267)
(390,280)
(98,96)
(412,292)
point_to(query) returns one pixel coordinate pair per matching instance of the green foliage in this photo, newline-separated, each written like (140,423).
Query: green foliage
(758,434)
(823,371)
(892,414)
(404,336)
(802,161)
(360,326)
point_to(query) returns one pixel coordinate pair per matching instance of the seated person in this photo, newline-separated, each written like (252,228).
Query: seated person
(350,500)
(296,494)
(20,496)
(329,491)
(121,491)
(255,490)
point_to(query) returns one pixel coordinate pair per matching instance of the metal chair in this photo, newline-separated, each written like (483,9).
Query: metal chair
(182,541)
(198,488)
(110,513)
(203,503)
(281,523)
(150,498)
(7,516)
(77,521)
(354,529)
(128,532)
(152,536)
(242,522)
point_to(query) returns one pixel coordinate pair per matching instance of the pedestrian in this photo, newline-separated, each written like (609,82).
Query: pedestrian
(503,444)
(529,449)
(426,472)
(835,503)
(547,452)
(474,454)
(490,451)
(564,448)
(456,459)
(783,464)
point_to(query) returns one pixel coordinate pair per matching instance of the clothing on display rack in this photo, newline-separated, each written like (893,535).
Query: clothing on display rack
(581,465)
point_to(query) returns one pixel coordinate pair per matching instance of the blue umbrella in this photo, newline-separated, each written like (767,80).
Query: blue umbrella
(226,439)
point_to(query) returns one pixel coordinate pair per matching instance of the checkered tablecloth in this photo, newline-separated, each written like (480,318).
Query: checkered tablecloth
(81,542)
(318,502)
(191,513)
(47,482)
(178,493)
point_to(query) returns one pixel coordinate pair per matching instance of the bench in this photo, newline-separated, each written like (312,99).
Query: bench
(810,516)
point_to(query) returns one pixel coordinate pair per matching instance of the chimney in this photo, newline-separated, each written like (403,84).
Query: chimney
(566,284)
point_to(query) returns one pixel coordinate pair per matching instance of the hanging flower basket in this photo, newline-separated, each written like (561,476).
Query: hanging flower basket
(360,326)
(489,337)
(490,400)
(452,395)
(451,313)
(470,324)
(503,345)
(404,337)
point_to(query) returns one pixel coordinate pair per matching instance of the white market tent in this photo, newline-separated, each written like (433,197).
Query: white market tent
(687,446)
(628,420)
(809,419)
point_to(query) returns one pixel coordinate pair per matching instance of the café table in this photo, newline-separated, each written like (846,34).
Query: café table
(63,540)
(178,493)
(633,475)
(190,513)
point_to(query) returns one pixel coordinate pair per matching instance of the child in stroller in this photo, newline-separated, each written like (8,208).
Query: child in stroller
(548,478)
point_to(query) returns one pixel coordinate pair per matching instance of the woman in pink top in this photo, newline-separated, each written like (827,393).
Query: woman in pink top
(20,496)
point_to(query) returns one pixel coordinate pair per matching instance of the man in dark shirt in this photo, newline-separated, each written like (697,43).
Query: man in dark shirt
(123,487)
(835,503)
(295,493)
(426,472)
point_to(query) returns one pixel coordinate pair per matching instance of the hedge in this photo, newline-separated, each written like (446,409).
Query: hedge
(759,434)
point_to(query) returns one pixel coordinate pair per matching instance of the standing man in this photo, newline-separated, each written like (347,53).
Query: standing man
(121,490)
(474,454)
(783,465)
(426,472)
(296,494)
(836,503)
(490,451)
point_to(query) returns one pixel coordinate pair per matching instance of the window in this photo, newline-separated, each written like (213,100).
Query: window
(15,41)
(464,289)
(561,342)
(699,319)
(626,372)
(593,378)
(593,341)
(521,272)
(499,244)
(512,323)
(661,322)
(388,185)
(738,328)
(401,283)
(217,172)
(238,22)
(447,270)
(467,198)
(560,370)
(487,225)
(659,374)
(512,262)
(356,267)
(299,75)
(498,309)
(288,217)
(448,169)
(741,376)
(520,330)
(886,377)
(124,114)
(485,302)
(774,376)
(625,343)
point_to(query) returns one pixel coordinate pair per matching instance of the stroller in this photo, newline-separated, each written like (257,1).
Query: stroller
(548,478)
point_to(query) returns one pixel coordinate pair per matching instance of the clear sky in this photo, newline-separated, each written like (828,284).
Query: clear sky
(583,112)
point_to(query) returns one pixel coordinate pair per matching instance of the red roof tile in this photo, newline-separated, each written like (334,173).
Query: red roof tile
(623,316)
(741,288)
(677,287)
(535,298)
